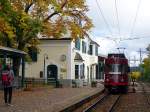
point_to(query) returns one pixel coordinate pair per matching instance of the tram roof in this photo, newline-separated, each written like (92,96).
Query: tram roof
(120,55)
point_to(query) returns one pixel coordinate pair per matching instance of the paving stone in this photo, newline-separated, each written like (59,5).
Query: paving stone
(46,99)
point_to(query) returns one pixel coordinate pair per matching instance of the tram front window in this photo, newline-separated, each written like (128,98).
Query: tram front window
(117,68)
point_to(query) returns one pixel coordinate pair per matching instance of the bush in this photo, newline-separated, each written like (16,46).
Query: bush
(94,84)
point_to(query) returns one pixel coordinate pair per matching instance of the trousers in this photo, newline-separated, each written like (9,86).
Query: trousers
(7,94)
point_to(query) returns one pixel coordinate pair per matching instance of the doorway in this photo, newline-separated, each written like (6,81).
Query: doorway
(52,73)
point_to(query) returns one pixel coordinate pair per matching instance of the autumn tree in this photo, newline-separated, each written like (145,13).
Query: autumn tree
(7,31)
(22,20)
(58,16)
(135,75)
(146,66)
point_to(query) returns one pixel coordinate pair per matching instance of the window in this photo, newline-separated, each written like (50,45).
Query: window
(97,72)
(83,47)
(100,70)
(76,71)
(96,50)
(33,54)
(117,68)
(82,71)
(77,44)
(90,49)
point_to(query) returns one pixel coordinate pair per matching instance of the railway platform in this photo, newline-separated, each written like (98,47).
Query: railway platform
(47,99)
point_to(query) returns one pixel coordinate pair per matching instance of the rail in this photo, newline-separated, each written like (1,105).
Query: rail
(101,101)
(114,104)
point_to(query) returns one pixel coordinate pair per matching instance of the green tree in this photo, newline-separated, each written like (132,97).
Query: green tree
(146,67)
(22,20)
(18,30)
(58,16)
(148,49)
(7,31)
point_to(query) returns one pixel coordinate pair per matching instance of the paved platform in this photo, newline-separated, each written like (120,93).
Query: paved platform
(46,99)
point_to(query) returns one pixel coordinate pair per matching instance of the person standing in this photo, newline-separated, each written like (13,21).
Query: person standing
(7,81)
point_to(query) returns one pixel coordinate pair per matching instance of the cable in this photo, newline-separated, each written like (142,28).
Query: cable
(135,19)
(101,12)
(126,39)
(135,38)
(118,25)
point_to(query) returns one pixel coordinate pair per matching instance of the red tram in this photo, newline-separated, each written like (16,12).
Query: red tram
(116,72)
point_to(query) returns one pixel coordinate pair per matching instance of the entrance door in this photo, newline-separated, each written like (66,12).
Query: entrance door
(52,73)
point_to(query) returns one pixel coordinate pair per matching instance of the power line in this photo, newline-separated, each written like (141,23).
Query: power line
(135,38)
(133,60)
(118,25)
(135,19)
(101,12)
(141,52)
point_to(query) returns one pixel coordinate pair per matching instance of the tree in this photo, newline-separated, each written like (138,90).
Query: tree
(17,30)
(148,49)
(146,67)
(135,76)
(58,16)
(7,31)
(22,20)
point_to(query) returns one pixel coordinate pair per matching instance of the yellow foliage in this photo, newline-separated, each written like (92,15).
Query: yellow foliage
(50,12)
(135,75)
(6,29)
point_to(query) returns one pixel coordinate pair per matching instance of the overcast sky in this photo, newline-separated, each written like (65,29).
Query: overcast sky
(133,22)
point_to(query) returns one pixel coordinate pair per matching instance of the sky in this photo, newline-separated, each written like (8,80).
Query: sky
(121,24)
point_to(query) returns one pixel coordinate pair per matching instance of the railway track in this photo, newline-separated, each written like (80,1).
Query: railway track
(145,93)
(106,104)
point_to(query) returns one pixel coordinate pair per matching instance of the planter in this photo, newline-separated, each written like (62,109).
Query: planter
(94,84)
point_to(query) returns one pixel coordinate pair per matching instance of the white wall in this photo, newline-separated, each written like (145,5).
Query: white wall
(89,60)
(54,49)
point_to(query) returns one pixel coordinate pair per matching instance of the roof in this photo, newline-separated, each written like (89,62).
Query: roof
(120,55)
(78,57)
(93,42)
(66,38)
(102,55)
(11,51)
(55,38)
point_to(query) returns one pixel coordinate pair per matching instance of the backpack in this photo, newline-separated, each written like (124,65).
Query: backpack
(5,78)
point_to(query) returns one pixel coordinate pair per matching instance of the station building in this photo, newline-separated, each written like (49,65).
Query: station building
(65,60)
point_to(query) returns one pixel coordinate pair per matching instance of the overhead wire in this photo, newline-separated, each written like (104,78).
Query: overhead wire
(102,14)
(118,25)
(135,19)
(135,38)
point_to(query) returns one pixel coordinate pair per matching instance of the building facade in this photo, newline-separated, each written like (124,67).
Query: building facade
(65,60)
(101,67)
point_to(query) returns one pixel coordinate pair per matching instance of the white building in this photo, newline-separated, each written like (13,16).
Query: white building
(65,60)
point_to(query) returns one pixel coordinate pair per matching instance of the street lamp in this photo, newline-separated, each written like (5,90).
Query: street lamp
(45,57)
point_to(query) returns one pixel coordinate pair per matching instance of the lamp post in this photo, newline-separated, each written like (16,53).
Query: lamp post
(45,57)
